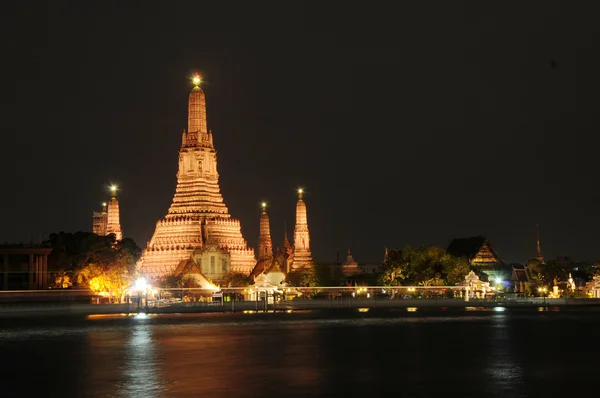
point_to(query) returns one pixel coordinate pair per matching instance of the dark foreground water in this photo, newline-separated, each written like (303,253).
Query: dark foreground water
(475,352)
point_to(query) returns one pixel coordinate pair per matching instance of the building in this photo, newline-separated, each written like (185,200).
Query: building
(100,219)
(290,257)
(265,243)
(108,221)
(350,266)
(480,255)
(24,267)
(539,256)
(198,225)
(521,278)
(301,256)
(113,219)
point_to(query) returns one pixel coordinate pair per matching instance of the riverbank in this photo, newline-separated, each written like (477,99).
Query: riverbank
(66,309)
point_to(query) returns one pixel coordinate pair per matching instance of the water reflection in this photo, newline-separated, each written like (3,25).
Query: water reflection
(505,372)
(141,364)
(463,353)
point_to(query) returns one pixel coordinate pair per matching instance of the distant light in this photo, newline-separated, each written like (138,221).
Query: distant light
(196,79)
(113,188)
(263,204)
(300,190)
(104,204)
(498,281)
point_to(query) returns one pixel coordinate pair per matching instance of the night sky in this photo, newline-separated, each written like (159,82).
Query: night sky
(413,123)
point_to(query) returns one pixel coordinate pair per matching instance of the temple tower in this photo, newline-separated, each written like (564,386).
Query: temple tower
(539,255)
(99,221)
(349,266)
(198,225)
(113,223)
(265,245)
(302,254)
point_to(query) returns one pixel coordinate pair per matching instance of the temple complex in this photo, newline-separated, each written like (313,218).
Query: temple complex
(108,220)
(198,225)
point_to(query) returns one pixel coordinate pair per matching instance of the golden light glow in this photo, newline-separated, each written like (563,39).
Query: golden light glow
(113,188)
(300,190)
(196,79)
(263,204)
(104,204)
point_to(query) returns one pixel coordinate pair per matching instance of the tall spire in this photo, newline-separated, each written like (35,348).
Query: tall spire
(302,254)
(198,221)
(539,255)
(197,131)
(286,241)
(113,223)
(265,245)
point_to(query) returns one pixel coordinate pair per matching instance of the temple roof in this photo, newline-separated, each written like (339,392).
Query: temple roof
(189,267)
(349,259)
(186,266)
(520,273)
(266,266)
(469,247)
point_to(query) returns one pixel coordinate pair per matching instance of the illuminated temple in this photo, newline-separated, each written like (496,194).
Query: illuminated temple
(107,221)
(275,263)
(198,226)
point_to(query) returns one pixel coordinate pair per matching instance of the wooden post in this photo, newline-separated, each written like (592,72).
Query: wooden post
(374,300)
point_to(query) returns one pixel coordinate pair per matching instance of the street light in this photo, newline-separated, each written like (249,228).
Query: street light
(141,286)
(542,290)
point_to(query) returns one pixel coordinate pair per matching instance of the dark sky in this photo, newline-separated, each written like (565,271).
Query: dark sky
(410,123)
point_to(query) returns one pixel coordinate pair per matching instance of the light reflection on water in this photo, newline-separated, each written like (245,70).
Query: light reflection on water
(143,376)
(506,374)
(473,353)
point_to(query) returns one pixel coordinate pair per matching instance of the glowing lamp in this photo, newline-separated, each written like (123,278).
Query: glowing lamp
(263,204)
(141,285)
(113,188)
(300,190)
(196,79)
(498,281)
(103,204)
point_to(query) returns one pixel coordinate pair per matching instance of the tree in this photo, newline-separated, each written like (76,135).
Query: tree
(90,260)
(236,279)
(302,277)
(425,266)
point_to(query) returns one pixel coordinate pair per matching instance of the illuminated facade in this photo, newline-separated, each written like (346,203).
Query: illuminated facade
(265,244)
(108,221)
(302,254)
(273,265)
(113,219)
(198,224)
(100,219)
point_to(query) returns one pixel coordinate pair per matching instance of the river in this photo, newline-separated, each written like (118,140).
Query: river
(494,352)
